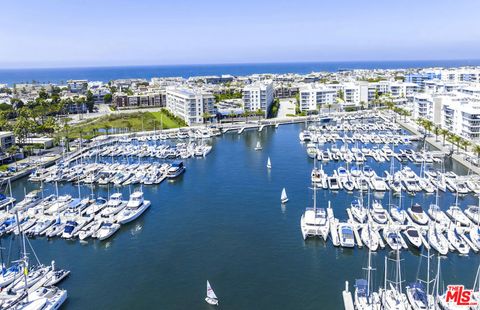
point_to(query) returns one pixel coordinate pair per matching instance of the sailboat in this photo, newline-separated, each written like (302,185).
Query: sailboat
(211,298)
(284,197)
(269,163)
(258,147)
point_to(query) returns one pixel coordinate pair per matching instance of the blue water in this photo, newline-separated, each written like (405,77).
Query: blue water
(222,221)
(105,74)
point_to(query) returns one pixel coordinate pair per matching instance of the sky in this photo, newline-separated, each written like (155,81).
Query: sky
(76,33)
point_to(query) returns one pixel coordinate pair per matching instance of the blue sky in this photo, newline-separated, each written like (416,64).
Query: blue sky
(56,33)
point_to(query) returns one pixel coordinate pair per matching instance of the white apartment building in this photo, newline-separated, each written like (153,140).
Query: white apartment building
(189,104)
(423,106)
(312,96)
(258,96)
(461,115)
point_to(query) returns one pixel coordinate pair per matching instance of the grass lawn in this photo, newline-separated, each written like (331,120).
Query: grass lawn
(127,121)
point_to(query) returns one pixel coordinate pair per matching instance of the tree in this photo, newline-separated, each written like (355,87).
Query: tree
(206,117)
(107,98)
(465,144)
(341,94)
(12,151)
(437,131)
(329,106)
(444,133)
(476,149)
(232,115)
(259,113)
(90,102)
(246,114)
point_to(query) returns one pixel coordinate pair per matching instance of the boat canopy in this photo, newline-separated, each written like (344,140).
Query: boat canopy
(417,208)
(362,287)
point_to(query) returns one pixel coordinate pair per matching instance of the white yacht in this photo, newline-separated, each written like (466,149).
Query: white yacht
(457,216)
(455,238)
(417,214)
(369,238)
(114,205)
(378,213)
(413,236)
(437,240)
(135,207)
(345,233)
(106,230)
(314,221)
(176,169)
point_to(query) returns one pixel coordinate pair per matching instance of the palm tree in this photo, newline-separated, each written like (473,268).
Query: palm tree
(329,106)
(12,151)
(476,149)
(465,144)
(232,115)
(245,114)
(436,130)
(259,113)
(206,117)
(444,133)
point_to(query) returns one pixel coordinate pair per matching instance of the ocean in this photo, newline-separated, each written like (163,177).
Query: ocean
(105,74)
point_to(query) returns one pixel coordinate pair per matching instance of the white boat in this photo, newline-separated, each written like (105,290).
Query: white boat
(8,275)
(437,240)
(106,230)
(283,196)
(211,298)
(114,205)
(314,221)
(334,183)
(392,296)
(456,240)
(378,213)
(269,163)
(135,207)
(258,147)
(418,298)
(369,238)
(176,169)
(392,237)
(457,216)
(345,233)
(413,236)
(43,298)
(359,212)
(417,214)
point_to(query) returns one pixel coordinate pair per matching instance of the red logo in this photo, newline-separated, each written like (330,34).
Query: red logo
(460,296)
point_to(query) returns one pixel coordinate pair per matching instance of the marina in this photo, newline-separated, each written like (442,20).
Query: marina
(345,240)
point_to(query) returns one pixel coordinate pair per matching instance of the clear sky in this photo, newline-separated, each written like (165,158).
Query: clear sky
(55,33)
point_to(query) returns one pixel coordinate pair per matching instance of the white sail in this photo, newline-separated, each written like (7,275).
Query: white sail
(210,292)
(258,145)
(284,195)
(269,163)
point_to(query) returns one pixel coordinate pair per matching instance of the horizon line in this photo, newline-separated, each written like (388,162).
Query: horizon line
(230,64)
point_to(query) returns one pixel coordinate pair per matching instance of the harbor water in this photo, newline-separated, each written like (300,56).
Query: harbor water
(222,220)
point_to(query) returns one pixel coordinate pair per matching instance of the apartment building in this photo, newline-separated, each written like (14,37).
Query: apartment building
(189,104)
(312,96)
(258,96)
(140,100)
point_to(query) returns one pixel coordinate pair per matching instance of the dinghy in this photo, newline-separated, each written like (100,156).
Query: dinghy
(211,298)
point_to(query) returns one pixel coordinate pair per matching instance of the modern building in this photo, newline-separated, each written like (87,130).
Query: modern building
(258,96)
(312,97)
(189,104)
(7,139)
